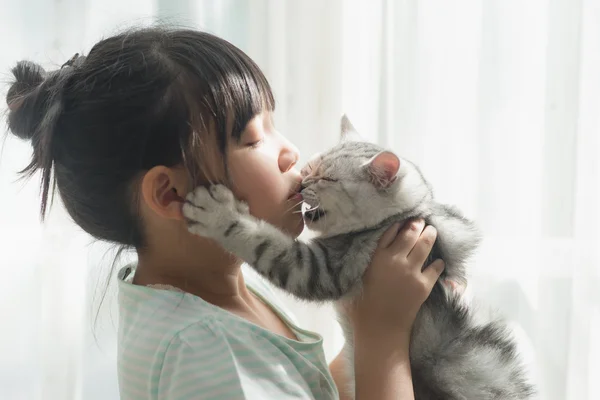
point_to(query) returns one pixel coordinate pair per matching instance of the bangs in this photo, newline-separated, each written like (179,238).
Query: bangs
(232,86)
(246,93)
(223,90)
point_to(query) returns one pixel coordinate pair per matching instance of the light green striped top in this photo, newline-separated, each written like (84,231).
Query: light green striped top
(176,346)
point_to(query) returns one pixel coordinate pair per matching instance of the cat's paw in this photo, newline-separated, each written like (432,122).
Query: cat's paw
(210,212)
(223,195)
(242,207)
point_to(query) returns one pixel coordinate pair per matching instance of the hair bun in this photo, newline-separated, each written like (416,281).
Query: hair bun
(25,102)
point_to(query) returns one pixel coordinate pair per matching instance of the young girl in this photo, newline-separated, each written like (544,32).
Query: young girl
(124,134)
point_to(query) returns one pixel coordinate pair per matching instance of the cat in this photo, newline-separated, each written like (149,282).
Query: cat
(354,192)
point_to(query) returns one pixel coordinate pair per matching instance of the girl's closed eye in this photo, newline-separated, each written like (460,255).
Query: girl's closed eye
(255,143)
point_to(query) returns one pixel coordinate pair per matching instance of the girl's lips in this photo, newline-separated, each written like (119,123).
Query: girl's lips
(296,197)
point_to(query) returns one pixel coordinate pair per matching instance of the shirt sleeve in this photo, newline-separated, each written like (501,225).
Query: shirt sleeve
(203,369)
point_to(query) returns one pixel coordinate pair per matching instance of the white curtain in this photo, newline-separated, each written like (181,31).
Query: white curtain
(497,100)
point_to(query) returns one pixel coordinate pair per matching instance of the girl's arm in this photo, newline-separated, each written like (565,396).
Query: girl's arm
(382,373)
(381,327)
(379,373)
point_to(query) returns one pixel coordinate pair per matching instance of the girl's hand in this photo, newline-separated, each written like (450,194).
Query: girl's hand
(395,287)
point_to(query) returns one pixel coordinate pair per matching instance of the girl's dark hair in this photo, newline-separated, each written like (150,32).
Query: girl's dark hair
(140,99)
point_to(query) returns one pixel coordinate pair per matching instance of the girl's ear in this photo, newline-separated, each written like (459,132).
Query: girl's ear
(163,191)
(348,132)
(383,168)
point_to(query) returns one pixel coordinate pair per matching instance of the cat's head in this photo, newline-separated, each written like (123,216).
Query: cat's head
(357,184)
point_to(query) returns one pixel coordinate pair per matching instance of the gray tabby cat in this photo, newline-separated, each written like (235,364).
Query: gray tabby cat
(355,191)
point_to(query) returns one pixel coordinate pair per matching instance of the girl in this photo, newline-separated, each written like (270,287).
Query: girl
(124,134)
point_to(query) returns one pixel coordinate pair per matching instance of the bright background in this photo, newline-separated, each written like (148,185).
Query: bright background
(497,100)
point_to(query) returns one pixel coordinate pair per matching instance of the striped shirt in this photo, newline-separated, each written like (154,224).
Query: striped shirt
(176,346)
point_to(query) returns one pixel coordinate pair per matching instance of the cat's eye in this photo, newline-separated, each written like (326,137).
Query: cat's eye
(304,172)
(326,179)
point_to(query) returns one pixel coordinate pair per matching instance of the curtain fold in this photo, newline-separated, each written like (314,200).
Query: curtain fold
(498,101)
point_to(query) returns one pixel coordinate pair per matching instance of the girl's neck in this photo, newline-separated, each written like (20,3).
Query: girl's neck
(216,278)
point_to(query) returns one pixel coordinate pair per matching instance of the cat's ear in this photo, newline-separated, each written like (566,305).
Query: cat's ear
(348,132)
(383,168)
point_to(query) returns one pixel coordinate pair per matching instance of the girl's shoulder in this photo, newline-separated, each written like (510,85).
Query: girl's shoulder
(169,333)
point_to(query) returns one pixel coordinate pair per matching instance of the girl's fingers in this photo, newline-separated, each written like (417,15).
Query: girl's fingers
(433,272)
(407,237)
(419,253)
(388,237)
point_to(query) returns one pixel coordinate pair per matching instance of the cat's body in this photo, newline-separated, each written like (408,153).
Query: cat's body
(356,191)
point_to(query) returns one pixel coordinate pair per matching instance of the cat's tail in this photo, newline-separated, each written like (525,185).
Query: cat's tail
(454,358)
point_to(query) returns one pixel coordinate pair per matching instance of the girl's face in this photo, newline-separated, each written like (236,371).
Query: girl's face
(262,169)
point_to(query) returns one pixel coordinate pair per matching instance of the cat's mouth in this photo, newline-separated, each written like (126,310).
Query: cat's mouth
(314,215)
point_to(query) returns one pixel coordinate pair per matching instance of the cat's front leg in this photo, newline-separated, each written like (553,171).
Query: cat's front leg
(210,212)
(213,212)
(303,269)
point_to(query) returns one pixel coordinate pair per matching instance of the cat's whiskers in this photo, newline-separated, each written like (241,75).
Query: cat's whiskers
(294,206)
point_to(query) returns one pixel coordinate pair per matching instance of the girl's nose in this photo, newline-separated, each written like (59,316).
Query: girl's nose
(287,160)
